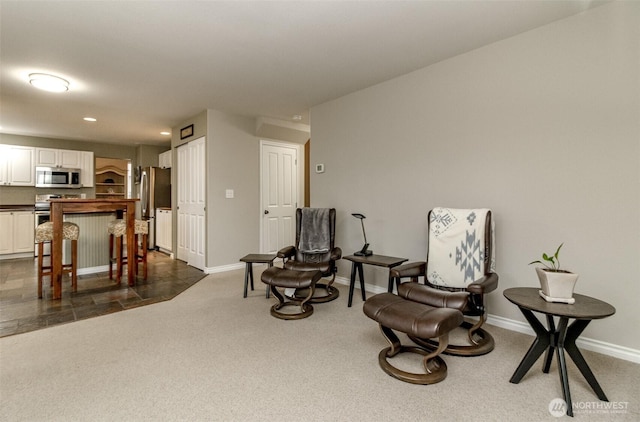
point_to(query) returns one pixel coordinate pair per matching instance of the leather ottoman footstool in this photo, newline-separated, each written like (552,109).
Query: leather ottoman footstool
(393,312)
(277,277)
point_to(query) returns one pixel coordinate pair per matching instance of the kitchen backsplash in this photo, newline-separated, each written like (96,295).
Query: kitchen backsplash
(23,195)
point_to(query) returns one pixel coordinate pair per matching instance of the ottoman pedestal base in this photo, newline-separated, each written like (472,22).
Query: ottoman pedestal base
(415,319)
(277,277)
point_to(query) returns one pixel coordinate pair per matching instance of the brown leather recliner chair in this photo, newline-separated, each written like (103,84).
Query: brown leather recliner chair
(314,249)
(460,258)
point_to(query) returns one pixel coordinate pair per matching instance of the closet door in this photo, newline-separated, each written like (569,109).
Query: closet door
(191,203)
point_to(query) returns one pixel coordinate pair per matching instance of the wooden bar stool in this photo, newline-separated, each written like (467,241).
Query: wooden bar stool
(118,229)
(44,233)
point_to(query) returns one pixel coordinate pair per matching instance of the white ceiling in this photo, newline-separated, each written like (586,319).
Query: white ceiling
(143,67)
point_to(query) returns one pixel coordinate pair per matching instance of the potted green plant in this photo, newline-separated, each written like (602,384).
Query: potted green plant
(556,283)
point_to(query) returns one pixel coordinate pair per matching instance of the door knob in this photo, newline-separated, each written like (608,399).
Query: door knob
(266,212)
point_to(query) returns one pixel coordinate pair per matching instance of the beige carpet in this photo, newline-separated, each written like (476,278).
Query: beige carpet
(210,355)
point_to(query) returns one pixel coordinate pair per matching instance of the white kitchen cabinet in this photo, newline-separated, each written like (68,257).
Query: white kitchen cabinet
(164,160)
(18,233)
(50,157)
(4,164)
(17,165)
(163,229)
(86,169)
(6,227)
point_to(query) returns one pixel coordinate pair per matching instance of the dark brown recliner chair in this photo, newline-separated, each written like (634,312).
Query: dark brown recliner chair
(460,258)
(314,249)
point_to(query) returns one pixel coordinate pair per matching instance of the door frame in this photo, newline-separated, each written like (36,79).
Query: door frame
(301,178)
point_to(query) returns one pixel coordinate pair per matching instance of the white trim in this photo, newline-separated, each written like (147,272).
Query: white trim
(224,268)
(614,350)
(93,270)
(166,252)
(17,255)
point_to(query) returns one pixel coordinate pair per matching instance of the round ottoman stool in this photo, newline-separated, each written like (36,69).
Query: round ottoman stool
(277,277)
(393,312)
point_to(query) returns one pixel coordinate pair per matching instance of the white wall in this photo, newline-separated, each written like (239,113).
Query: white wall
(543,128)
(233,162)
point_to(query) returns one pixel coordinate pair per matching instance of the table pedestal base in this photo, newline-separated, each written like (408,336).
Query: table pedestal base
(557,339)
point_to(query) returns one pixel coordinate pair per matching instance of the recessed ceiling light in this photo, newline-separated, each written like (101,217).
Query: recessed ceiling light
(90,119)
(49,83)
(165,133)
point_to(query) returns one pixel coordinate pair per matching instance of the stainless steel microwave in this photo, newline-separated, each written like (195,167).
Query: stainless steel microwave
(53,177)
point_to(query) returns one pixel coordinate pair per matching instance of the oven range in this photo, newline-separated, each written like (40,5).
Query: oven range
(43,213)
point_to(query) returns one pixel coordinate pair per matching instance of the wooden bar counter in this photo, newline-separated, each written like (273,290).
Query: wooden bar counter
(59,207)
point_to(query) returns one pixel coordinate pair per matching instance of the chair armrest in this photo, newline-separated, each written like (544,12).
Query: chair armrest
(413,270)
(486,284)
(287,252)
(336,254)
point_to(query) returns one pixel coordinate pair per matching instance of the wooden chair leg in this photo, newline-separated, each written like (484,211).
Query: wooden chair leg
(133,262)
(74,265)
(110,257)
(144,255)
(119,259)
(40,263)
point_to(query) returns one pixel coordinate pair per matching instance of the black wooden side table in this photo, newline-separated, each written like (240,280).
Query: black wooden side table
(561,338)
(376,260)
(255,259)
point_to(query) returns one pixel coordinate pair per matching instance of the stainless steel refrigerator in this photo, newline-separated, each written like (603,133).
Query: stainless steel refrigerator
(155,192)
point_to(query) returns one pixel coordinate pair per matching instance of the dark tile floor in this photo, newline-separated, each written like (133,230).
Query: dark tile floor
(21,310)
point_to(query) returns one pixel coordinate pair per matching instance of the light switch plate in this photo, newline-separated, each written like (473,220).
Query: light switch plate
(229,193)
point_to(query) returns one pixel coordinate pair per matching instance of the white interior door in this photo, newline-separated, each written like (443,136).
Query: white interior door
(279,195)
(191,203)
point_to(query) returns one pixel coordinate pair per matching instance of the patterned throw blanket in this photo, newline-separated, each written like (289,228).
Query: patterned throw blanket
(315,236)
(457,246)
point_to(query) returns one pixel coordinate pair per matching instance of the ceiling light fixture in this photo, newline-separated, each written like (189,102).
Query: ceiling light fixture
(90,119)
(165,133)
(49,83)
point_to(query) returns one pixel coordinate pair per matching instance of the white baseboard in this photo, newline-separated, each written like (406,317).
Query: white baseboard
(166,252)
(16,255)
(224,268)
(598,346)
(586,343)
(92,270)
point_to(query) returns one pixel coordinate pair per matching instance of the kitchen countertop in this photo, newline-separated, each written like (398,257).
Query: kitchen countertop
(91,200)
(24,207)
(90,205)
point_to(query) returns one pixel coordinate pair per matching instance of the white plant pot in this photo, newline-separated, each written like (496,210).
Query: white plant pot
(557,286)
